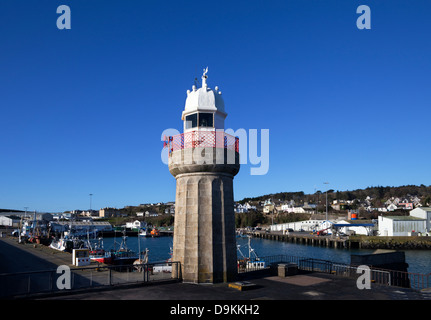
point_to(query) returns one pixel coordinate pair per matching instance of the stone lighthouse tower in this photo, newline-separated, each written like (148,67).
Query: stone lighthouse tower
(204,161)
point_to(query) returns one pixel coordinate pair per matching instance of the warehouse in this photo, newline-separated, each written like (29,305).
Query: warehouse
(10,221)
(401,226)
(423,213)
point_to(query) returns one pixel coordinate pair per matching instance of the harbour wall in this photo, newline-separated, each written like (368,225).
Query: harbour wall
(307,239)
(392,243)
(355,242)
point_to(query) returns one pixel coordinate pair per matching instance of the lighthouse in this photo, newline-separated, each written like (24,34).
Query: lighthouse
(204,160)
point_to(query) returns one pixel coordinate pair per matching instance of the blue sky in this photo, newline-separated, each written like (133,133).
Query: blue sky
(83,110)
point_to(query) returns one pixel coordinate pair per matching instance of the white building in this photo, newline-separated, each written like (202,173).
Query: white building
(306,225)
(423,213)
(80,226)
(10,221)
(353,228)
(401,225)
(136,224)
(392,207)
(240,208)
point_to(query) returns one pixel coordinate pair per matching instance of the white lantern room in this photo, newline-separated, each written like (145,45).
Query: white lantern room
(204,109)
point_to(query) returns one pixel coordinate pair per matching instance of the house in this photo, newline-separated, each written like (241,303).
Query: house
(109,212)
(287,206)
(392,207)
(416,201)
(423,213)
(309,208)
(268,207)
(90,213)
(240,208)
(339,205)
(248,206)
(151,214)
(401,226)
(135,225)
(299,210)
(170,209)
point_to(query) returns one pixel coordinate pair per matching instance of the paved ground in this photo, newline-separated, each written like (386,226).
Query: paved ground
(313,286)
(15,257)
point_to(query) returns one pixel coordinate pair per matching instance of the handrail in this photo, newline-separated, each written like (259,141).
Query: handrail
(202,139)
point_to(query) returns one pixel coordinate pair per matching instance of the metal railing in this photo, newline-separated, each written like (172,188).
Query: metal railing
(379,276)
(202,139)
(25,284)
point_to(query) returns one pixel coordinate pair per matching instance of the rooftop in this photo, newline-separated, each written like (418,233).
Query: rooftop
(404,218)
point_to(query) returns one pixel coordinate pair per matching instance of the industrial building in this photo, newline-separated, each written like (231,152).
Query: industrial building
(423,213)
(401,226)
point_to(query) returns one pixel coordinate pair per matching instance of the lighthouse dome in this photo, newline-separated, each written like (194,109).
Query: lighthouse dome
(204,99)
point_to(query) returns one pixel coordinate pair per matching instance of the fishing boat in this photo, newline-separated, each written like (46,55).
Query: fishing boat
(252,262)
(67,243)
(98,252)
(124,255)
(60,244)
(140,264)
(143,232)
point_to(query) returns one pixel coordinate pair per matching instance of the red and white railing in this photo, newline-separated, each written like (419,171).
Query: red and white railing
(202,139)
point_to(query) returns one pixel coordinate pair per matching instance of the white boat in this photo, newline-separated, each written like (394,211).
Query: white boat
(59,244)
(67,243)
(143,232)
(252,262)
(167,268)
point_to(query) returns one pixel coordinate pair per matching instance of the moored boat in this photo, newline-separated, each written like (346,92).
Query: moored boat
(143,232)
(101,256)
(165,267)
(124,255)
(98,252)
(59,244)
(252,262)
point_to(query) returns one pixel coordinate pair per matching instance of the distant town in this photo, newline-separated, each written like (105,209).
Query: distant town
(264,211)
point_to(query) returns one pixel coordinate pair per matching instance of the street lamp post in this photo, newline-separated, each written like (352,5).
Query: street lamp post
(91,195)
(326,201)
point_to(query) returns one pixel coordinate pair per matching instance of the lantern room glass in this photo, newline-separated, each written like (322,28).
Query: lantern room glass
(200,119)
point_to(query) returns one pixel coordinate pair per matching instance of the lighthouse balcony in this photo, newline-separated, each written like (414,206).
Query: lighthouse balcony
(203,151)
(202,139)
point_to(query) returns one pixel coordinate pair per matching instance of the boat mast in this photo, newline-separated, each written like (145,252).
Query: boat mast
(249,247)
(139,248)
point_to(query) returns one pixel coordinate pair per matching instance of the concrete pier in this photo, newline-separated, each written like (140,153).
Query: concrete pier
(302,238)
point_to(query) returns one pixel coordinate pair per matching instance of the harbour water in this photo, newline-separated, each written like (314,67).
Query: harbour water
(159,250)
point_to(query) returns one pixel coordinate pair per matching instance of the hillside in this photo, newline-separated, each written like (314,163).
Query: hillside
(377,195)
